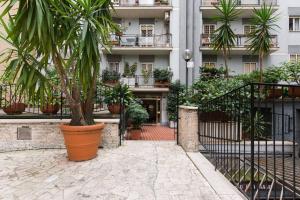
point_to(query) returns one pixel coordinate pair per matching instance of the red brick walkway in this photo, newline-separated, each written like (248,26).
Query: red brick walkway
(156,132)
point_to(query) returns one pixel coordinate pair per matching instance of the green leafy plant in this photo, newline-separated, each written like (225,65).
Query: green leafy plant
(259,127)
(146,75)
(176,96)
(292,72)
(129,71)
(162,75)
(110,76)
(260,39)
(65,33)
(114,95)
(224,38)
(274,75)
(137,114)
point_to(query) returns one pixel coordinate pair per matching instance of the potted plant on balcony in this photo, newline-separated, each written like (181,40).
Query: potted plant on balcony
(114,96)
(110,77)
(45,32)
(146,75)
(129,74)
(274,75)
(162,77)
(137,115)
(292,71)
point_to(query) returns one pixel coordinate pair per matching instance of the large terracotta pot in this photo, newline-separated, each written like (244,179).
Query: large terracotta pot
(50,109)
(114,108)
(135,134)
(15,108)
(82,142)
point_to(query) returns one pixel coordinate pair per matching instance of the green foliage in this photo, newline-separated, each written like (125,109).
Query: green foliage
(274,74)
(129,71)
(108,76)
(162,75)
(212,72)
(146,75)
(137,114)
(259,127)
(260,39)
(224,37)
(113,96)
(176,96)
(292,72)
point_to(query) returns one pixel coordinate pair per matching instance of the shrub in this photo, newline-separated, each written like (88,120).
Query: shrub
(113,96)
(137,114)
(162,75)
(108,76)
(176,93)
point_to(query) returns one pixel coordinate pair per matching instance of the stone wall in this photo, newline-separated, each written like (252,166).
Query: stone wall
(29,134)
(188,128)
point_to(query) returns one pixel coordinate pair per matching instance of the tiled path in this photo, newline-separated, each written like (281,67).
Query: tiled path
(156,132)
(138,170)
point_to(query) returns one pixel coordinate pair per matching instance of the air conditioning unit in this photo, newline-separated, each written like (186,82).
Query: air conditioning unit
(167,16)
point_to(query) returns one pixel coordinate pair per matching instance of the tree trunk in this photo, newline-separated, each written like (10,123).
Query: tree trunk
(225,62)
(261,58)
(77,115)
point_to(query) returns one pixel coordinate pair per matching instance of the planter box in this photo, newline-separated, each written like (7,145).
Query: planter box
(162,84)
(214,116)
(294,92)
(274,93)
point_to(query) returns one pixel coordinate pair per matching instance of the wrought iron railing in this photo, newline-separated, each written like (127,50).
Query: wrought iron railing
(251,135)
(242,41)
(247,3)
(16,104)
(136,3)
(135,40)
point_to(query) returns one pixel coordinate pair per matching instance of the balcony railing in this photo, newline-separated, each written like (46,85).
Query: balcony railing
(140,81)
(141,3)
(242,41)
(132,40)
(247,3)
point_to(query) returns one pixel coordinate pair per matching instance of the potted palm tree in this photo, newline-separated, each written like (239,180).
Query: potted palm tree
(224,38)
(43,32)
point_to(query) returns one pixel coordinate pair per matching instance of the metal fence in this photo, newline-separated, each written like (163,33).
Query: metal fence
(252,136)
(242,2)
(15,104)
(135,3)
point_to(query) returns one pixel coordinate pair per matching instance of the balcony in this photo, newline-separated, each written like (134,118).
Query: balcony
(240,47)
(136,44)
(141,8)
(140,83)
(246,6)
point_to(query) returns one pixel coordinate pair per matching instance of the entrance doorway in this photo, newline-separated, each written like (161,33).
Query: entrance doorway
(152,105)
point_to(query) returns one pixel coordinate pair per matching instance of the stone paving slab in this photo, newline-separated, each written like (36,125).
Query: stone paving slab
(137,170)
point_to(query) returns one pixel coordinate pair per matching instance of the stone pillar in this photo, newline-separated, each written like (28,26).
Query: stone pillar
(188,128)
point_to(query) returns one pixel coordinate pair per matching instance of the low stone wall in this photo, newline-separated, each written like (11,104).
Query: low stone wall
(30,134)
(188,128)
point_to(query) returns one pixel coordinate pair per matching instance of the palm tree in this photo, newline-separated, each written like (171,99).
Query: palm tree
(224,38)
(264,20)
(69,35)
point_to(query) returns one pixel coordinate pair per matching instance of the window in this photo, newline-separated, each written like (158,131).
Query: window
(147,30)
(209,29)
(294,24)
(248,29)
(147,67)
(209,64)
(295,57)
(249,67)
(116,2)
(114,66)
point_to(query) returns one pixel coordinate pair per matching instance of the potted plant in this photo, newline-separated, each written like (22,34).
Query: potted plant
(13,101)
(113,98)
(71,43)
(14,108)
(292,70)
(162,77)
(273,75)
(146,75)
(129,74)
(137,115)
(110,77)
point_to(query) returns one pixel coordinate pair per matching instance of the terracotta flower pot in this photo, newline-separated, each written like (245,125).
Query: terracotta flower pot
(114,108)
(82,142)
(135,134)
(294,92)
(50,109)
(275,93)
(15,108)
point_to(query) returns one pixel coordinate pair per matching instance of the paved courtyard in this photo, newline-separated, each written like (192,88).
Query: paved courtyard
(137,170)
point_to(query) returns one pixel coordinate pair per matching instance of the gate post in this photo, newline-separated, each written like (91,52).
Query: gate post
(188,128)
